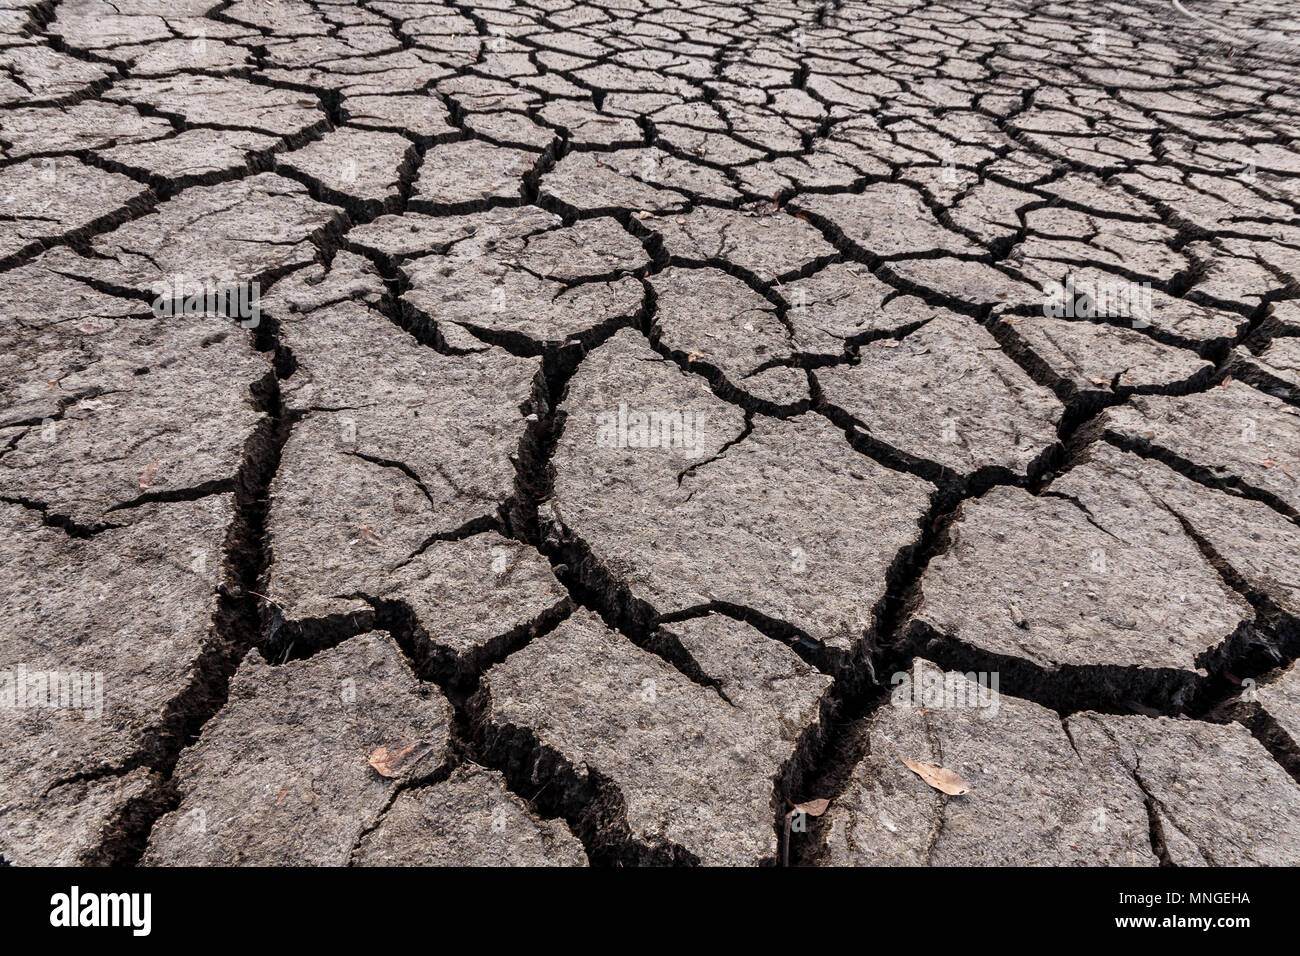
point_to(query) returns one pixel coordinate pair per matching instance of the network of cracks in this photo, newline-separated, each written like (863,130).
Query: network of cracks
(662,426)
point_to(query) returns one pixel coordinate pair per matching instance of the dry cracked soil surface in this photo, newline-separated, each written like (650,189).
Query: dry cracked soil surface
(646,421)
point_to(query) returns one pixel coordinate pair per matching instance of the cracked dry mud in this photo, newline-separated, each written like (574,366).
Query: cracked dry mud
(657,414)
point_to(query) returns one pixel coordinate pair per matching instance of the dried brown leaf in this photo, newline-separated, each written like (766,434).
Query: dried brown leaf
(813,808)
(393,760)
(147,476)
(940,778)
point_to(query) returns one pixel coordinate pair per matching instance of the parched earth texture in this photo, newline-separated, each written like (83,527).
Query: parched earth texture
(659,417)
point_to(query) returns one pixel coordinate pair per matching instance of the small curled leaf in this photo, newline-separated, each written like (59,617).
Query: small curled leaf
(813,808)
